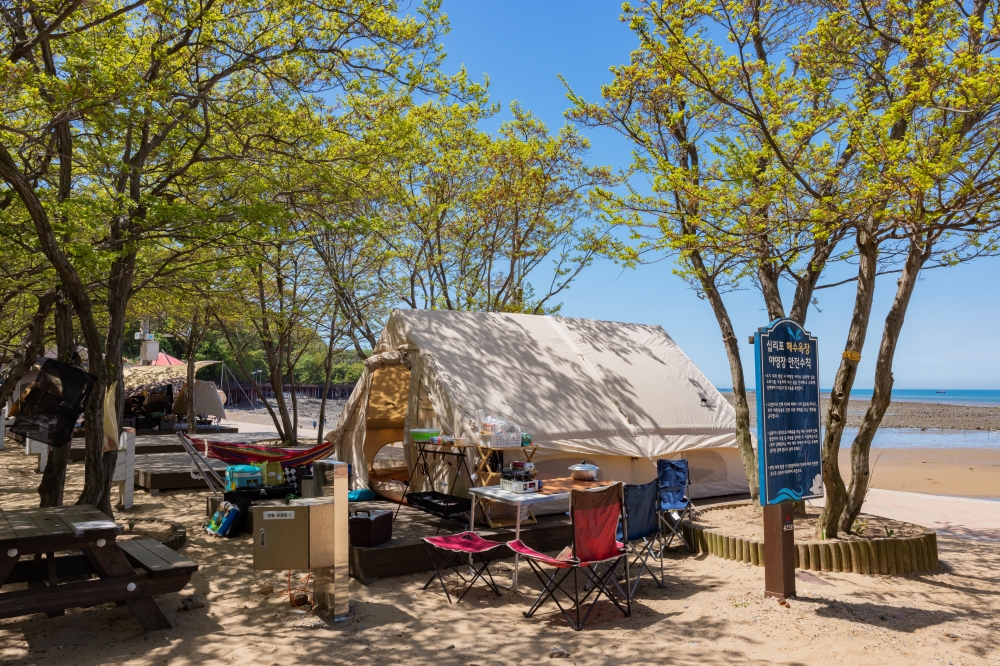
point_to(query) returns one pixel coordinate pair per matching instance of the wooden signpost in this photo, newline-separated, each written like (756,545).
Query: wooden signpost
(789,453)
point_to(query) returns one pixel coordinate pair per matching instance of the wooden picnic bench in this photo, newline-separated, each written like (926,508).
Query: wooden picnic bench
(92,568)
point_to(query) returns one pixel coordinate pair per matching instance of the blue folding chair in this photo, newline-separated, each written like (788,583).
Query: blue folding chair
(675,506)
(640,529)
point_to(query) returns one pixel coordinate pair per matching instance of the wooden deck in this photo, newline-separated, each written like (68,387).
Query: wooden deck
(406,553)
(168,471)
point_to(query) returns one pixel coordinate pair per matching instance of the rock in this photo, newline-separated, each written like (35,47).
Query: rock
(450,647)
(558,653)
(266,589)
(300,599)
(192,602)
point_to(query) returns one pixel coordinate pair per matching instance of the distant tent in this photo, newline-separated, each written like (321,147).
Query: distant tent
(140,378)
(166,359)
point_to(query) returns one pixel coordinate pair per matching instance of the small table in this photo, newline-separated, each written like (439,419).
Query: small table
(83,528)
(552,490)
(423,450)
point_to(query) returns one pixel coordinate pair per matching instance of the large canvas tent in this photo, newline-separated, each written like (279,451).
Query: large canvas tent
(619,395)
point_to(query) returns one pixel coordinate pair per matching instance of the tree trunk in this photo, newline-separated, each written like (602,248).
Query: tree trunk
(245,369)
(743,439)
(193,342)
(50,490)
(32,350)
(833,482)
(327,372)
(882,394)
(100,464)
(76,291)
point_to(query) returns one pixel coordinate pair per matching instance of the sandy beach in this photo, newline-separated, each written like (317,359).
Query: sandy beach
(710,612)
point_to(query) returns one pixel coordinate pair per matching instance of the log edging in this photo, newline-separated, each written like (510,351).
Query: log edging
(891,556)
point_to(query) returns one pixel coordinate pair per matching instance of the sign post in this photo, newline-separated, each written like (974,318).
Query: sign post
(789,452)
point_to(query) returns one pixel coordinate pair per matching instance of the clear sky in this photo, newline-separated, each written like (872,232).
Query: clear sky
(950,339)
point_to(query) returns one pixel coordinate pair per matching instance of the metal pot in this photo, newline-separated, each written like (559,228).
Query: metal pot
(584,471)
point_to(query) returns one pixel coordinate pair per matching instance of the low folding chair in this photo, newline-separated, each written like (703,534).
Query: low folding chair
(595,551)
(461,546)
(675,506)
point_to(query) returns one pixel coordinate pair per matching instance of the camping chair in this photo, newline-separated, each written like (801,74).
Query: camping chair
(462,546)
(641,528)
(595,551)
(674,503)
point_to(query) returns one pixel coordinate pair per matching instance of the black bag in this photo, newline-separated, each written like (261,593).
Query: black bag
(369,528)
(238,526)
(53,403)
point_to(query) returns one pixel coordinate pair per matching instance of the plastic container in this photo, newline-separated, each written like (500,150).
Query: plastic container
(424,434)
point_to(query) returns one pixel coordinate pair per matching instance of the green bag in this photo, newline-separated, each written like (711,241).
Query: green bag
(272,472)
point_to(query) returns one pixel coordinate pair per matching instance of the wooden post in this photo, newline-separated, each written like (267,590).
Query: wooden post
(779,549)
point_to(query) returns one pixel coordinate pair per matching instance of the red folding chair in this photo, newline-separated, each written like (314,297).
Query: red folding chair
(462,546)
(595,551)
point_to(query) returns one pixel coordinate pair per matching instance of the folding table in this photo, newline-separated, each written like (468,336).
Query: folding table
(552,490)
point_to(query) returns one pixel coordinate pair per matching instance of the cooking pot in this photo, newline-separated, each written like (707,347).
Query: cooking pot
(584,471)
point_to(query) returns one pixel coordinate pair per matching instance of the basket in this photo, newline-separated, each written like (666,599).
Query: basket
(508,439)
(439,504)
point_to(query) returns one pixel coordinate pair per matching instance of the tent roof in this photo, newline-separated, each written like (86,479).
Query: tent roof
(166,359)
(574,384)
(139,377)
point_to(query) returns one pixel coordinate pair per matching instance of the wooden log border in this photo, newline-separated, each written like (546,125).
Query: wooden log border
(893,556)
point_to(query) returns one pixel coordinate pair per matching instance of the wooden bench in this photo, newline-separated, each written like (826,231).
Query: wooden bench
(103,572)
(158,560)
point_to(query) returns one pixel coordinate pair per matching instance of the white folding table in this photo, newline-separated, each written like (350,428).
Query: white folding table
(517,500)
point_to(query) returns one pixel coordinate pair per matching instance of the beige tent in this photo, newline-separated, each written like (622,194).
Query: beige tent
(142,377)
(619,395)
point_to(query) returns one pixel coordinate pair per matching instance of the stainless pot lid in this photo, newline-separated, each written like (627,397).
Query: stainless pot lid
(584,466)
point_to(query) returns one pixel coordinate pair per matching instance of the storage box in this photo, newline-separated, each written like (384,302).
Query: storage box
(297,535)
(370,528)
(519,486)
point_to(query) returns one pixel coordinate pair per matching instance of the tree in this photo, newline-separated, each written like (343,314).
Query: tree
(876,114)
(144,104)
(706,183)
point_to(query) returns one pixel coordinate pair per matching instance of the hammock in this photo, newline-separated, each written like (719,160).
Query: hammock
(242,454)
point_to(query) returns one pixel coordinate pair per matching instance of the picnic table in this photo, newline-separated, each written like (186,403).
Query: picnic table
(552,490)
(86,542)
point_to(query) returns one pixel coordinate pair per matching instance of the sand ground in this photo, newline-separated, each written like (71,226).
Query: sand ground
(710,612)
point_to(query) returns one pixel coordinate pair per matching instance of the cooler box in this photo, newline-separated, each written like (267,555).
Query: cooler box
(370,528)
(297,535)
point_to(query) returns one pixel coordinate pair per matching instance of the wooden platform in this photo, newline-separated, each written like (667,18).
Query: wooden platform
(168,471)
(202,430)
(405,552)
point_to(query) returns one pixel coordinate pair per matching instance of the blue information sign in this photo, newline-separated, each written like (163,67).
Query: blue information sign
(788,416)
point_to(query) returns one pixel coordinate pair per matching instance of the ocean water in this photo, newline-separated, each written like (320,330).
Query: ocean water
(978,398)
(972,397)
(915,438)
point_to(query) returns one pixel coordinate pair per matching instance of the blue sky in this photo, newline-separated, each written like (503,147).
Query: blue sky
(952,327)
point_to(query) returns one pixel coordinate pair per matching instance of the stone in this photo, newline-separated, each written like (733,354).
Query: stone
(192,602)
(266,589)
(300,599)
(558,653)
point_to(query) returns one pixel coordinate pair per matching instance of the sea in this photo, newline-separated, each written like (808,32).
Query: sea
(915,438)
(974,397)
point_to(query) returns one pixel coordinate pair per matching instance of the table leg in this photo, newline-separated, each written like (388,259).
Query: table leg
(109,561)
(517,536)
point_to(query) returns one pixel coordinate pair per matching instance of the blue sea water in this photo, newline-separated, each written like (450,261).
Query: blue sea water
(972,397)
(915,438)
(978,398)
